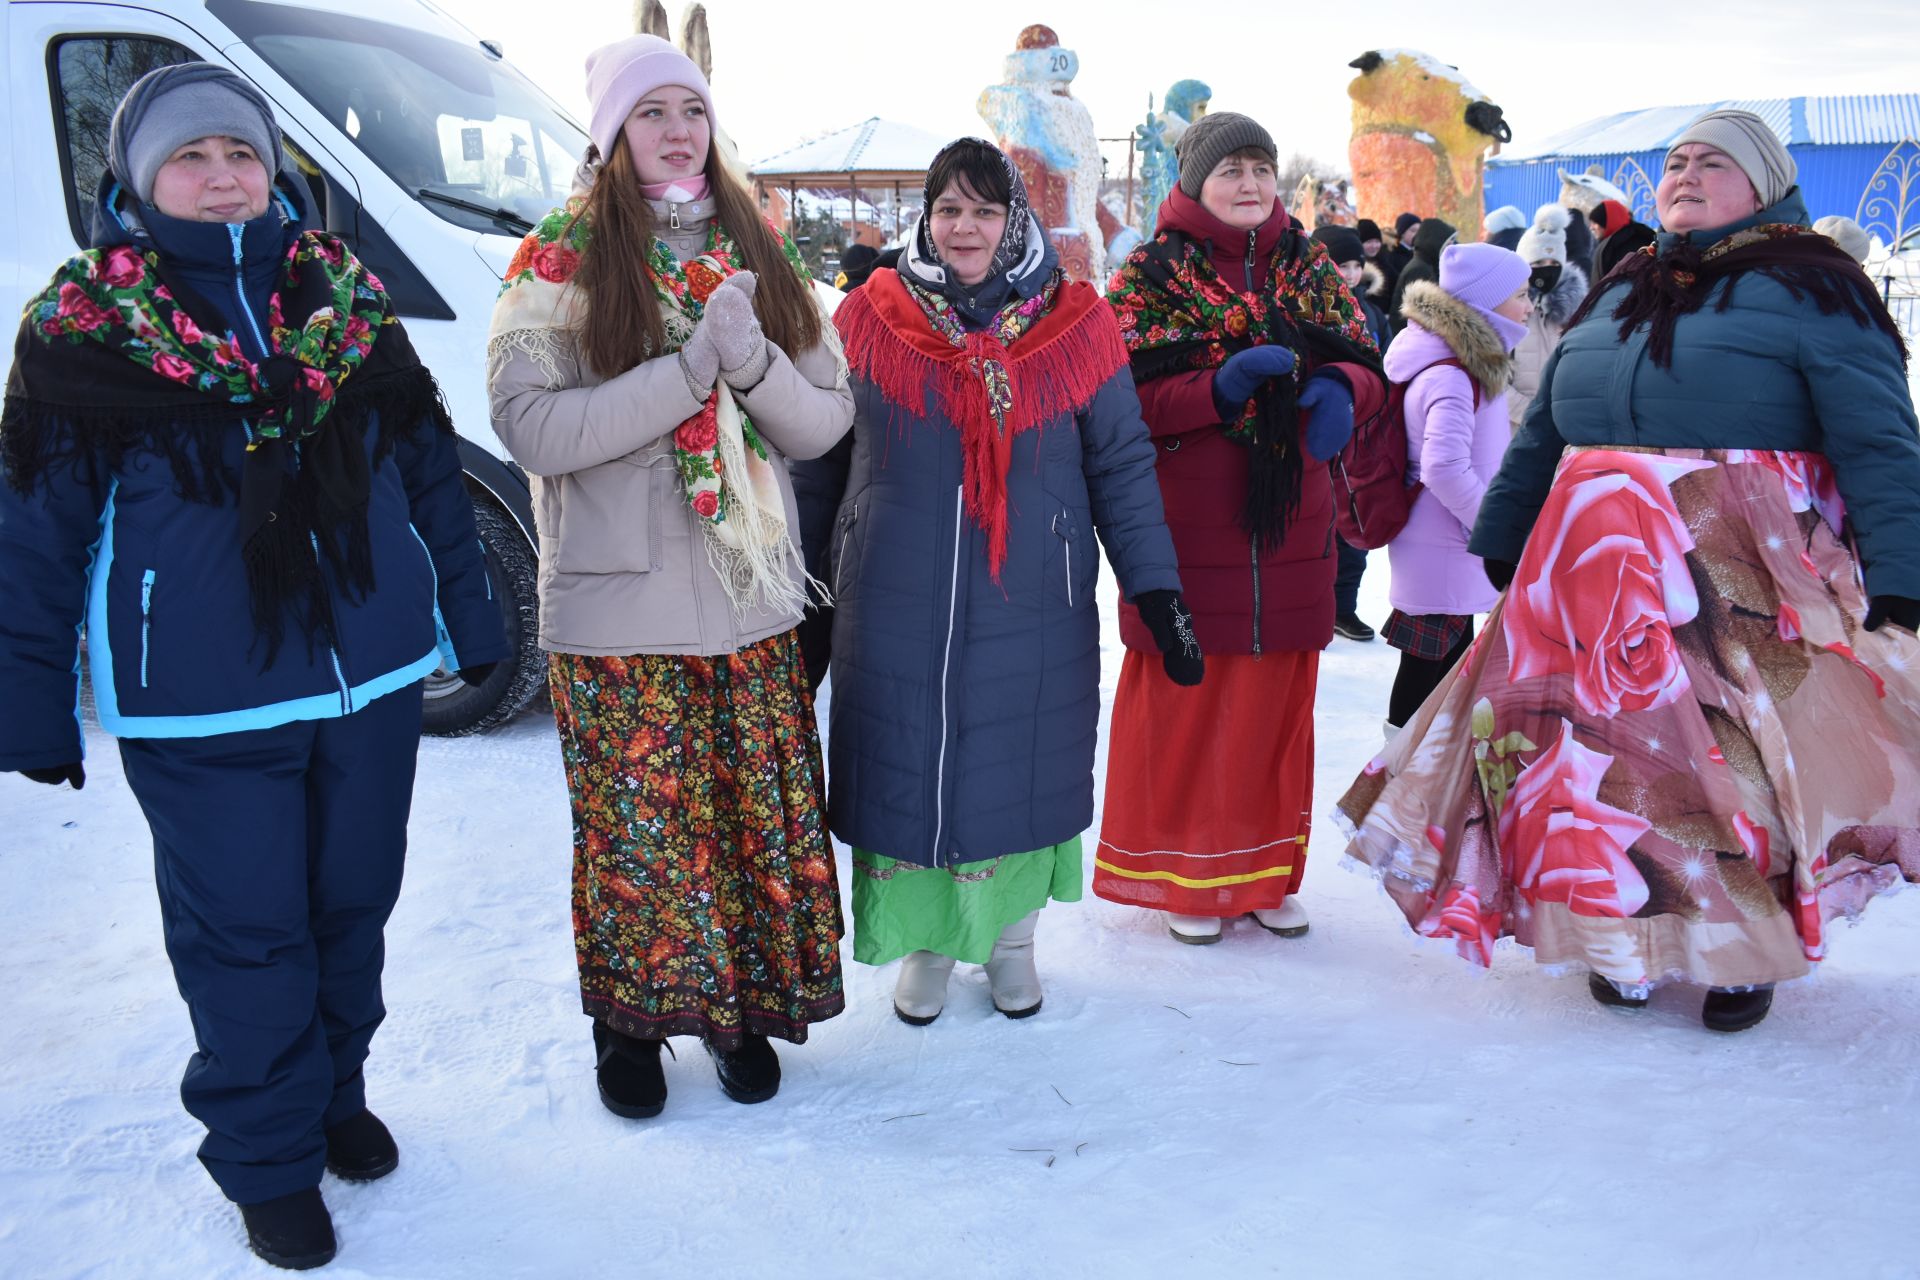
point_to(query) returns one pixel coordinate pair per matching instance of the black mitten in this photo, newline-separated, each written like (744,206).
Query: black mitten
(1500,572)
(1171,623)
(53,775)
(1895,609)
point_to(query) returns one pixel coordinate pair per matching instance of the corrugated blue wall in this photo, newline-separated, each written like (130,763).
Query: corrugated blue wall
(1832,178)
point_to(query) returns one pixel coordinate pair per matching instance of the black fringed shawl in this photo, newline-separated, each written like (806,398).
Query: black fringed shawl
(1177,315)
(114,359)
(1662,287)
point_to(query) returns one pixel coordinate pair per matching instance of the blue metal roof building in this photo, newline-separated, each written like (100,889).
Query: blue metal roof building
(1859,155)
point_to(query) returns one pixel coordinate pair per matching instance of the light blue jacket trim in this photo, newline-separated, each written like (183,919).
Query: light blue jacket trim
(321,706)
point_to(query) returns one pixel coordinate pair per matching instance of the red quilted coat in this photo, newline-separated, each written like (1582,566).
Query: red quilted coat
(1243,601)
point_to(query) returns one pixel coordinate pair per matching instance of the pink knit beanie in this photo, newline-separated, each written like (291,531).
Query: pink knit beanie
(622,73)
(1482,275)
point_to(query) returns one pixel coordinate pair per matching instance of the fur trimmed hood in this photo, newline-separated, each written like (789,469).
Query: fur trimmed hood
(1469,334)
(1374,284)
(1565,297)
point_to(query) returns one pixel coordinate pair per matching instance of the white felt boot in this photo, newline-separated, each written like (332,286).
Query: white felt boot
(1289,919)
(1011,974)
(921,992)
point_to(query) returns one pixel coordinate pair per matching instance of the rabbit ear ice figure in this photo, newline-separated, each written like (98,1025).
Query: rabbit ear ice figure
(694,40)
(650,19)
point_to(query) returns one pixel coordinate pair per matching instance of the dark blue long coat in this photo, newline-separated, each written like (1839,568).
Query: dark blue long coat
(964,712)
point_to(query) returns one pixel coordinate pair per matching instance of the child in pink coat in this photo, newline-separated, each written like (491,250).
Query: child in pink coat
(1456,357)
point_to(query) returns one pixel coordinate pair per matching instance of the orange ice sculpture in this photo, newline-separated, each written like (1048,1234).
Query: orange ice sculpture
(1421,136)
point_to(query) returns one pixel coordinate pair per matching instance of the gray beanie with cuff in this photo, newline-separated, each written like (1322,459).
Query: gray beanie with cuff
(1751,144)
(173,105)
(1211,139)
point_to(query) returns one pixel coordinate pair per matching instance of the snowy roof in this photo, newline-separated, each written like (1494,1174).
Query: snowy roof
(872,146)
(1858,118)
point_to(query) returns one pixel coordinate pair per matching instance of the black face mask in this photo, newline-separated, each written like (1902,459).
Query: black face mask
(1544,278)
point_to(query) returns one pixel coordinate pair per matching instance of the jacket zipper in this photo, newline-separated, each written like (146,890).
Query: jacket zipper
(946,668)
(236,233)
(1253,549)
(146,622)
(840,556)
(1253,544)
(333,634)
(1066,541)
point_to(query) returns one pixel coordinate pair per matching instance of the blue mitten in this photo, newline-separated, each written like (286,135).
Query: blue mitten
(1235,381)
(1328,405)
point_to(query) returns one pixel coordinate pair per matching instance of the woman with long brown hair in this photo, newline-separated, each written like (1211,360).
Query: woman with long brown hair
(656,358)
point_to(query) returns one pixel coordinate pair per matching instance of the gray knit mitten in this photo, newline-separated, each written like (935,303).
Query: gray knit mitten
(736,331)
(727,342)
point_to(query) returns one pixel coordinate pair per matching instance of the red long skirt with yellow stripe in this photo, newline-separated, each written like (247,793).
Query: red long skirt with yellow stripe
(1209,789)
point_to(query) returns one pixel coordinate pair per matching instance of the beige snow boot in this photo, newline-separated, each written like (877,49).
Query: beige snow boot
(1011,974)
(921,992)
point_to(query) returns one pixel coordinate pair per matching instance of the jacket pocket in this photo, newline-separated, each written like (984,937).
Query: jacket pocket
(609,519)
(1076,568)
(146,623)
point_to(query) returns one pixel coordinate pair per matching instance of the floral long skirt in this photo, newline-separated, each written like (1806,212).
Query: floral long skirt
(704,896)
(1673,752)
(1210,789)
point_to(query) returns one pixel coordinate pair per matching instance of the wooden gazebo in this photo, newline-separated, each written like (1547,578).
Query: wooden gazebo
(874,155)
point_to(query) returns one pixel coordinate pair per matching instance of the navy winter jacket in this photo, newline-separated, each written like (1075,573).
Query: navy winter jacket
(964,712)
(158,581)
(1768,372)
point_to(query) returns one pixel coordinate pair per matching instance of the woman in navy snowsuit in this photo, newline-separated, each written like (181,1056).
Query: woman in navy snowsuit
(224,459)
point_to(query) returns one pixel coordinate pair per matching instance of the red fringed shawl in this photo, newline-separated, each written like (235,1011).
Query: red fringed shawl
(1055,368)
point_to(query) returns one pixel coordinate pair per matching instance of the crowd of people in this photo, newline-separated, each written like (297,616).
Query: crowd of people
(1673,471)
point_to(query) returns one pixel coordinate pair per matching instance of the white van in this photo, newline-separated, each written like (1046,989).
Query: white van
(425,151)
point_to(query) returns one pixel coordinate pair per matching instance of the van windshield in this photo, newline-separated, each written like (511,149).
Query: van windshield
(475,141)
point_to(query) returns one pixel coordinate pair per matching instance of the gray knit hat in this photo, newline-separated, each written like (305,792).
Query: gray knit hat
(176,104)
(1747,140)
(1211,139)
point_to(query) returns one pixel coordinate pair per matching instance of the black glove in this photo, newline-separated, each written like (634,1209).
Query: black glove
(476,675)
(1500,573)
(54,775)
(1895,609)
(1168,617)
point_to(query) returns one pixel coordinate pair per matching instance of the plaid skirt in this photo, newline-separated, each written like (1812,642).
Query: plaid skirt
(1426,635)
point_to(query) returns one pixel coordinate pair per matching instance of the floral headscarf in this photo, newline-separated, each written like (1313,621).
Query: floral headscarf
(1022,262)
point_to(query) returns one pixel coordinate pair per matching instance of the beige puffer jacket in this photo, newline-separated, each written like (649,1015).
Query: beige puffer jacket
(623,566)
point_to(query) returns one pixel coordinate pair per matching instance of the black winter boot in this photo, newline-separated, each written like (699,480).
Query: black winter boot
(294,1231)
(1736,1010)
(632,1084)
(360,1149)
(750,1073)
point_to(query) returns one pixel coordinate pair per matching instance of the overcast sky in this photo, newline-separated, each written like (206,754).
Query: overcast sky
(787,71)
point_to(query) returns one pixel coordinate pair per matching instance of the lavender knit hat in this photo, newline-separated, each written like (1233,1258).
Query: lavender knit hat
(1482,275)
(622,73)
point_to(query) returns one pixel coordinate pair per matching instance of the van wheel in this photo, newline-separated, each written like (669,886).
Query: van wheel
(455,708)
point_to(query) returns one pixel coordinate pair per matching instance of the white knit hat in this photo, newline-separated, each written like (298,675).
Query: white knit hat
(1506,218)
(1846,233)
(1546,239)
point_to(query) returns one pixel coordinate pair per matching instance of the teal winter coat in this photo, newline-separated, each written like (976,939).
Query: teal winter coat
(1769,372)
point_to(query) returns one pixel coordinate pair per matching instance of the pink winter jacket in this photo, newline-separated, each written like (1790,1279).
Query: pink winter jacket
(1452,448)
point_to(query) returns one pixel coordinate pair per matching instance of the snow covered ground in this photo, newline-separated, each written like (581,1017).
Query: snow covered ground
(1355,1103)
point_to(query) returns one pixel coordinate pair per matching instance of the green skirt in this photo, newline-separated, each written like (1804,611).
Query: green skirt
(955,911)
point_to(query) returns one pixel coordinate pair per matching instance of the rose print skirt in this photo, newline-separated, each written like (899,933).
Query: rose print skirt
(1673,752)
(704,896)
